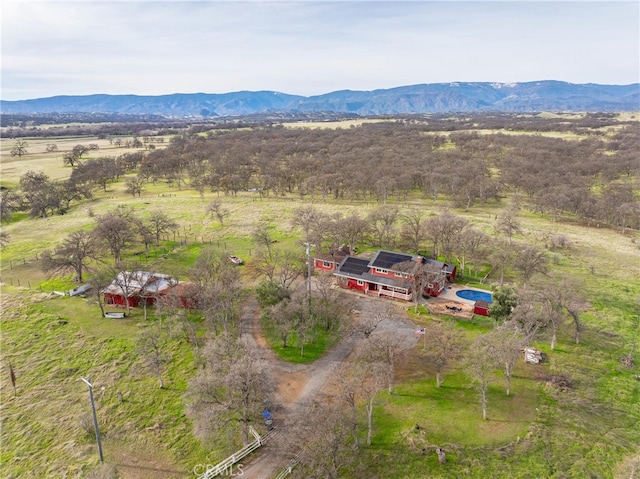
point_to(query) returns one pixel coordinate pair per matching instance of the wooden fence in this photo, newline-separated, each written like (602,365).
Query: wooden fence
(225,466)
(289,469)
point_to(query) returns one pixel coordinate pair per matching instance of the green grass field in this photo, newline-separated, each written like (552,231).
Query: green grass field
(321,341)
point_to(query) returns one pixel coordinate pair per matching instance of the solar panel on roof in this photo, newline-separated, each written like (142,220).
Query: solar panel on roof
(355,266)
(386,259)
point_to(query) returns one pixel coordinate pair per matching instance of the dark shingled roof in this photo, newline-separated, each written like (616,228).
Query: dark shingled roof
(335,257)
(441,265)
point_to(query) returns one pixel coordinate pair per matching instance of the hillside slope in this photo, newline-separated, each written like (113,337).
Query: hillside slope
(426,98)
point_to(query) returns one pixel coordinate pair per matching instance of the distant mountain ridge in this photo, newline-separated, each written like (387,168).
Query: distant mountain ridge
(548,95)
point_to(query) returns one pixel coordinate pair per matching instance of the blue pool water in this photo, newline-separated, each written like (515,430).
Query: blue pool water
(474,295)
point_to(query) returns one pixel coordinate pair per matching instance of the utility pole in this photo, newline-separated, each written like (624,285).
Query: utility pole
(95,418)
(308,249)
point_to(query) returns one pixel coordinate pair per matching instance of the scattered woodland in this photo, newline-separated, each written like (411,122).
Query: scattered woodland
(544,210)
(555,175)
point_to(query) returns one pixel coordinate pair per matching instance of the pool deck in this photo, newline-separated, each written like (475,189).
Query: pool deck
(449,294)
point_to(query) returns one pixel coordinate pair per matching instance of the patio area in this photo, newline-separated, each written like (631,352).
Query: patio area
(451,304)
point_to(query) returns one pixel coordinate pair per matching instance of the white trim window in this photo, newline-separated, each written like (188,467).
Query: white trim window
(381,270)
(360,282)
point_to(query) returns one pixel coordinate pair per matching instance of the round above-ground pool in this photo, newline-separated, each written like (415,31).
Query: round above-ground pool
(473,295)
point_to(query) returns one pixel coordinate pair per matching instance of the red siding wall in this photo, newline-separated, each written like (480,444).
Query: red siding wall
(436,289)
(353,284)
(119,300)
(319,264)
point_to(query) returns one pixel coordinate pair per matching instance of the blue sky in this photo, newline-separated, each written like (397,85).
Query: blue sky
(304,47)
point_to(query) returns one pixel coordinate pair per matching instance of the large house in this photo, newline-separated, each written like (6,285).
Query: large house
(395,275)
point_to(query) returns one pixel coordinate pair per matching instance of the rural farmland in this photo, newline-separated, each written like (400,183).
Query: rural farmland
(369,367)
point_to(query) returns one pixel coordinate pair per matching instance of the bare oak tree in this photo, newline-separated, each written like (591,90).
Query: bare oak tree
(9,202)
(328,451)
(217,288)
(529,260)
(135,185)
(502,257)
(20,148)
(470,247)
(367,323)
(506,343)
(384,347)
(480,369)
(230,389)
(72,157)
(159,223)
(444,231)
(71,255)
(444,345)
(382,225)
(507,222)
(99,280)
(216,208)
(152,346)
(306,218)
(413,232)
(116,230)
(287,314)
(263,237)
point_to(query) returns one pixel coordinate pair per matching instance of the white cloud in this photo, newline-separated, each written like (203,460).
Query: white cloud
(151,47)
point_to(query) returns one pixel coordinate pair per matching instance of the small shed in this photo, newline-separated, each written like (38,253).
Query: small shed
(481,308)
(533,355)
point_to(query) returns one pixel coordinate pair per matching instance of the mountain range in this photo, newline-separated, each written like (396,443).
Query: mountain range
(549,95)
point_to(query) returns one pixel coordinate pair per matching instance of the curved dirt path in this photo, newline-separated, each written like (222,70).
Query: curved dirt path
(298,384)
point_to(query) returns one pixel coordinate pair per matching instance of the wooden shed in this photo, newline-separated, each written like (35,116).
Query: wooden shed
(481,307)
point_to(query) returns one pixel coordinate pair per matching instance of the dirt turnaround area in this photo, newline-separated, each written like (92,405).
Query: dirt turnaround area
(463,311)
(299,384)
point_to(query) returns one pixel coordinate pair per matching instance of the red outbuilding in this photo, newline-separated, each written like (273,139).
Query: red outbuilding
(137,288)
(481,307)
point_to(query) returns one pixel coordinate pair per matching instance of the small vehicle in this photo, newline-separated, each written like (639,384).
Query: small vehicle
(235,260)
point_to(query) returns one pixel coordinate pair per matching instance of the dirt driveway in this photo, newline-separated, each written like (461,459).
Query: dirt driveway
(298,384)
